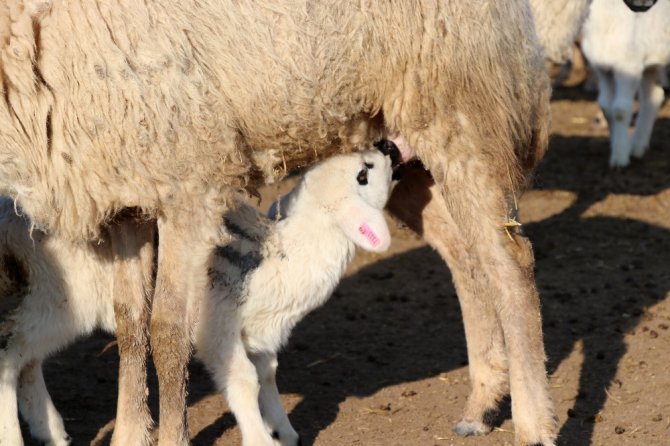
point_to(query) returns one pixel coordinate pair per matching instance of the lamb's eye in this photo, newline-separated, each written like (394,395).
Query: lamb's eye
(362,177)
(369,165)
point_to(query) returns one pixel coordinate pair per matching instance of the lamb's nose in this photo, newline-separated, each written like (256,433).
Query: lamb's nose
(389,148)
(640,5)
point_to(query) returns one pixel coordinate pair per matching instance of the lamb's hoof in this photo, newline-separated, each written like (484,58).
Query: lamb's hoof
(65,441)
(283,442)
(465,428)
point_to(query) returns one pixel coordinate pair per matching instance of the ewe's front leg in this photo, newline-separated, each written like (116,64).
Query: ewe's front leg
(132,245)
(186,244)
(38,409)
(273,412)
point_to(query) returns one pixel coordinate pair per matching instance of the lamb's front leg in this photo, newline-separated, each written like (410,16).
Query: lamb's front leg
(272,410)
(38,409)
(132,244)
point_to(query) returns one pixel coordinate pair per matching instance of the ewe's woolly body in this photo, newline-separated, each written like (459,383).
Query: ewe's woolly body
(171,104)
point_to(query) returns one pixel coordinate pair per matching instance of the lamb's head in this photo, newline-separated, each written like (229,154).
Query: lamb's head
(353,189)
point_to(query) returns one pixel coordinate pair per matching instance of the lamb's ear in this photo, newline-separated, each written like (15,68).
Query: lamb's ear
(365,226)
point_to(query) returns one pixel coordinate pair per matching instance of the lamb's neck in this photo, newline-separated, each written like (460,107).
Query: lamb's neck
(315,236)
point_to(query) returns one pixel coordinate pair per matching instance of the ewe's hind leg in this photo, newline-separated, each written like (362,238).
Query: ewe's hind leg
(38,409)
(132,243)
(464,220)
(186,243)
(417,201)
(621,113)
(271,408)
(651,99)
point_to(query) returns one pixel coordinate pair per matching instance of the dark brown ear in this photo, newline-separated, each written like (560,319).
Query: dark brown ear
(640,5)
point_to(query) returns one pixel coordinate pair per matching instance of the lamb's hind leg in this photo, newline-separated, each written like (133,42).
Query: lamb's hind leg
(132,244)
(224,354)
(464,219)
(38,409)
(186,243)
(271,408)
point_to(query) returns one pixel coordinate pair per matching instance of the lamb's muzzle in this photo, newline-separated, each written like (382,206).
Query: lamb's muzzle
(640,5)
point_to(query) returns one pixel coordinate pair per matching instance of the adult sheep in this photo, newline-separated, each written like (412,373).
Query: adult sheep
(168,107)
(558,22)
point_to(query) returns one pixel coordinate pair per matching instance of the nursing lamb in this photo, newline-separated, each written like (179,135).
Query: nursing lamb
(264,282)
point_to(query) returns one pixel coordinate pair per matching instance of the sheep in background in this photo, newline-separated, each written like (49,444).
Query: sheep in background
(557,23)
(627,50)
(169,107)
(264,282)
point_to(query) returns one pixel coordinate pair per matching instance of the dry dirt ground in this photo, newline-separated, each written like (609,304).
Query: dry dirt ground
(384,362)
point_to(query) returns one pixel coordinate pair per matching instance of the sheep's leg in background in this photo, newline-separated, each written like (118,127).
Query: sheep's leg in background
(664,77)
(416,200)
(651,98)
(605,92)
(38,409)
(132,244)
(273,412)
(464,218)
(187,240)
(625,87)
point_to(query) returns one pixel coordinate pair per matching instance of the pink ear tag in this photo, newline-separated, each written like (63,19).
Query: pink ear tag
(369,234)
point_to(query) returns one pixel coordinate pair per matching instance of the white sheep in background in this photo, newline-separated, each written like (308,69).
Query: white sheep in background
(169,107)
(627,50)
(557,23)
(263,282)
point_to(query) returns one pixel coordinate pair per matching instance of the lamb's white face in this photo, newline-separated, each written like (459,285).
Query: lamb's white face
(374,178)
(354,189)
(365,175)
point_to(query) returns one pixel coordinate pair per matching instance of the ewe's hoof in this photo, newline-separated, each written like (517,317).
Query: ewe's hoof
(466,428)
